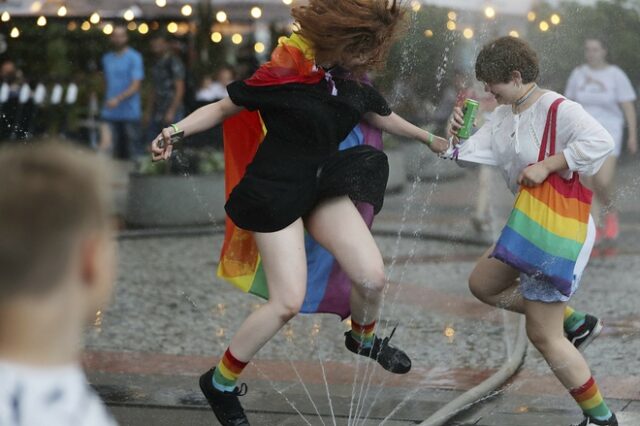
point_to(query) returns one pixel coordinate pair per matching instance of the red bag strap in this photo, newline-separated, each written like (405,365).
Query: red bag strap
(549,136)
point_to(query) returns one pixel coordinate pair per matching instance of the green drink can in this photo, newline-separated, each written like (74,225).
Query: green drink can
(470,110)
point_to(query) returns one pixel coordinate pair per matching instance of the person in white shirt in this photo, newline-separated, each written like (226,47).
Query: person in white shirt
(511,140)
(57,262)
(605,92)
(212,91)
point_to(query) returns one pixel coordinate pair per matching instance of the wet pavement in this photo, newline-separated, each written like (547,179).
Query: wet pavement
(172,317)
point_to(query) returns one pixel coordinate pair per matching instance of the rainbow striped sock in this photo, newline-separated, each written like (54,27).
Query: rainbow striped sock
(363,334)
(573,319)
(227,372)
(590,400)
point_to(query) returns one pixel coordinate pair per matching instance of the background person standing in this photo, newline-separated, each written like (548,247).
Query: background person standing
(166,99)
(123,73)
(605,92)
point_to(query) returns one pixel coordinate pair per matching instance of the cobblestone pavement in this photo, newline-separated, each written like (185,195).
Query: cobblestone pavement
(172,317)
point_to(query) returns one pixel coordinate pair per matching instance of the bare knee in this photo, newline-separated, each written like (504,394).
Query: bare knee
(476,287)
(543,339)
(287,307)
(371,281)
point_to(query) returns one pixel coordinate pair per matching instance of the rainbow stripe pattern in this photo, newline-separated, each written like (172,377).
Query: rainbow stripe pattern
(590,400)
(328,287)
(548,225)
(364,334)
(227,372)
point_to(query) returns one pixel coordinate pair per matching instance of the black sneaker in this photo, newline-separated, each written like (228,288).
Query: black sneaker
(390,358)
(226,405)
(588,421)
(586,333)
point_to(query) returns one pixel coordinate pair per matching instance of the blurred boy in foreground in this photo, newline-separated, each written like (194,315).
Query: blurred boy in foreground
(57,263)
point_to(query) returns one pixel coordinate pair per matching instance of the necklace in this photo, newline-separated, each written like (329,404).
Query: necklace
(526,96)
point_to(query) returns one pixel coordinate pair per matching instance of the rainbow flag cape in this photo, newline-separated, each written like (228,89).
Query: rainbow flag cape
(548,225)
(328,288)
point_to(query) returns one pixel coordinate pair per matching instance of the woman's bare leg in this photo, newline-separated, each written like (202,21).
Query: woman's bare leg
(496,284)
(337,225)
(285,265)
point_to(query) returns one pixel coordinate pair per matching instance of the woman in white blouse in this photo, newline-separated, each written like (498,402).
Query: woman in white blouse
(606,93)
(511,141)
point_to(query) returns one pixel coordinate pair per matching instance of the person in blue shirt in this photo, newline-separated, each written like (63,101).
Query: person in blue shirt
(123,73)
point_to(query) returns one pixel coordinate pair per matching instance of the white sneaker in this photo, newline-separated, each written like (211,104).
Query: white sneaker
(588,421)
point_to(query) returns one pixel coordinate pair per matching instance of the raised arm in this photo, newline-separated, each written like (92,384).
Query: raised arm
(198,121)
(398,126)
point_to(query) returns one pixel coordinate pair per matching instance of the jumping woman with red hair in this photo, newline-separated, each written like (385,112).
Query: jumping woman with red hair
(310,97)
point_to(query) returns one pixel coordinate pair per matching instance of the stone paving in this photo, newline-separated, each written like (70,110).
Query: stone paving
(172,317)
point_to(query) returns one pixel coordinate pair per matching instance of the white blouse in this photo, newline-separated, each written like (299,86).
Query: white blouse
(512,141)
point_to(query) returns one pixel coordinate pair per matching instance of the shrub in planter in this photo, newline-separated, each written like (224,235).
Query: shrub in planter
(187,190)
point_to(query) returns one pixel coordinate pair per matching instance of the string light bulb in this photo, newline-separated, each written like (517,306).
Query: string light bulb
(172,27)
(186,10)
(490,12)
(237,38)
(256,12)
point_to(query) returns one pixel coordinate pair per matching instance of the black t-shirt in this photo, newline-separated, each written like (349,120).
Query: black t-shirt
(298,162)
(308,119)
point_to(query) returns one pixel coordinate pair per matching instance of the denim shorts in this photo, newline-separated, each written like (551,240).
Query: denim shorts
(542,291)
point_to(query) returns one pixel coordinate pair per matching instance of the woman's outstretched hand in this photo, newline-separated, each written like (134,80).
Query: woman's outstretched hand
(437,144)
(161,147)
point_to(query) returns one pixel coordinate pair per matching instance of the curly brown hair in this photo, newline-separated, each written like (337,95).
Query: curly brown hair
(500,58)
(344,31)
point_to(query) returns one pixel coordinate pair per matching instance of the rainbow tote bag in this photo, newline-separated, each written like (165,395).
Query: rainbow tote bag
(548,224)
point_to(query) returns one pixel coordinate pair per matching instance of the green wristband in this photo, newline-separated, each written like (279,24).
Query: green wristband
(430,139)
(175,128)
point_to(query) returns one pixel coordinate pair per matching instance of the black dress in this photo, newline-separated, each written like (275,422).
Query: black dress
(298,163)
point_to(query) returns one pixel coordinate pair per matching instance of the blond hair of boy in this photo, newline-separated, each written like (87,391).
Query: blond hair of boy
(57,263)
